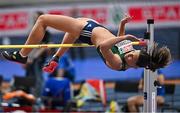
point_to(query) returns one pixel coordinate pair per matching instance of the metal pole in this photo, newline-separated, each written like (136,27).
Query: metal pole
(150,90)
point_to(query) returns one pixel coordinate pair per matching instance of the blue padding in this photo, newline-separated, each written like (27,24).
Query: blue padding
(9,69)
(173,70)
(94,68)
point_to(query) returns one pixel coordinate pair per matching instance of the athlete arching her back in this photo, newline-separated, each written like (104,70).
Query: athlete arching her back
(116,51)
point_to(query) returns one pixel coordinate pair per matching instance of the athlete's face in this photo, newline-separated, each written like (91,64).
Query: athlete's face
(132,57)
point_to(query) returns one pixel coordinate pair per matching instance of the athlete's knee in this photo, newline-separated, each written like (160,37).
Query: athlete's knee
(41,20)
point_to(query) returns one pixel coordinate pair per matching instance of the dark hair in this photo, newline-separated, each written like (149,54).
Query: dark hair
(159,58)
(39,13)
(144,59)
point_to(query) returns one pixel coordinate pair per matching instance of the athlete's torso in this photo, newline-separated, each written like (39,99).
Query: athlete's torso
(120,49)
(94,33)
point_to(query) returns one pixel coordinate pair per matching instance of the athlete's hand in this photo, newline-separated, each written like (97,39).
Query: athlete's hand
(126,19)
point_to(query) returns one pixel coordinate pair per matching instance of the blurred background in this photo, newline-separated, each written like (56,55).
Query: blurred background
(91,78)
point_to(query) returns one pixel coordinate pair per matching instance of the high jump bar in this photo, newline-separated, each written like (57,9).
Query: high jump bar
(141,43)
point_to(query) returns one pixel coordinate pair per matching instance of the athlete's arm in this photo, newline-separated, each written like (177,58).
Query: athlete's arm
(121,30)
(107,44)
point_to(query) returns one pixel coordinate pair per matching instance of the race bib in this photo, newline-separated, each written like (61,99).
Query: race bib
(124,46)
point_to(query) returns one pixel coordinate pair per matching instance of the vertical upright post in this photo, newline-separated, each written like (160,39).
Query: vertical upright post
(150,89)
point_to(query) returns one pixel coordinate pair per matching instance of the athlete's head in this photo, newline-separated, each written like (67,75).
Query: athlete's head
(160,58)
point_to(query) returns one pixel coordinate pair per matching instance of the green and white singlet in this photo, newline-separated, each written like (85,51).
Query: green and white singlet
(121,49)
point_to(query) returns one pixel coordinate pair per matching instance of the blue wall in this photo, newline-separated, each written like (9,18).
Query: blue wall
(94,68)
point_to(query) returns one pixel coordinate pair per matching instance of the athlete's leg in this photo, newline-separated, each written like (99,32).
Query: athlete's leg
(53,63)
(59,22)
(68,39)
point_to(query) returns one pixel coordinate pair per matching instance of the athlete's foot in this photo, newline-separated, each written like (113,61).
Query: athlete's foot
(51,66)
(14,56)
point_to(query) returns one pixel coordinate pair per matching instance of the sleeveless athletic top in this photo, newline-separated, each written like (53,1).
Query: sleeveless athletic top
(120,49)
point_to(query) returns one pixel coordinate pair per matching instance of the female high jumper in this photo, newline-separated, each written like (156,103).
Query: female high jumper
(116,51)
